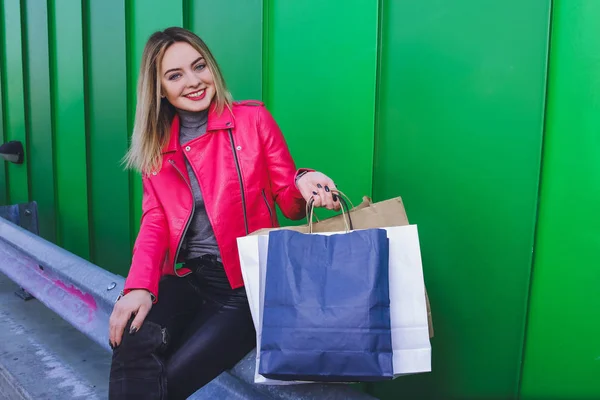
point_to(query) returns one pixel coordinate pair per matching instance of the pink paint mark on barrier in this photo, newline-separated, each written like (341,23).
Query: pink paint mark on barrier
(86,298)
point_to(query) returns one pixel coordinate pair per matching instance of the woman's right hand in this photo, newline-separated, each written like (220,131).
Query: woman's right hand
(138,302)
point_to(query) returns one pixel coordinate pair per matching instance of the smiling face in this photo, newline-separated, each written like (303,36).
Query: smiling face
(186,80)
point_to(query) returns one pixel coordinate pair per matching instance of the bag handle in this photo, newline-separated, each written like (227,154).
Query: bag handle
(341,195)
(343,199)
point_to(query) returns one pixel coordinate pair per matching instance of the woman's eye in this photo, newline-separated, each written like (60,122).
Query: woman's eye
(200,67)
(174,76)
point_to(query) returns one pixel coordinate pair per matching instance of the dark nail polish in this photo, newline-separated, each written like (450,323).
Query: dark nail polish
(335,198)
(319,186)
(111,345)
(315,193)
(327,189)
(133,330)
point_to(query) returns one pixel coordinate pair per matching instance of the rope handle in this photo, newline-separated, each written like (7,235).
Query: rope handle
(343,199)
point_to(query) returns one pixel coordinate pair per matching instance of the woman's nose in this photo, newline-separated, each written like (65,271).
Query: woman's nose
(193,80)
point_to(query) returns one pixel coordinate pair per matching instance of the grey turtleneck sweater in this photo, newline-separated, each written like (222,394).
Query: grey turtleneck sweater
(200,238)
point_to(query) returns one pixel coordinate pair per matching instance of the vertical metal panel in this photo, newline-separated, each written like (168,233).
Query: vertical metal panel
(39,115)
(233,31)
(3,177)
(146,17)
(69,121)
(562,358)
(108,136)
(321,61)
(14,105)
(460,123)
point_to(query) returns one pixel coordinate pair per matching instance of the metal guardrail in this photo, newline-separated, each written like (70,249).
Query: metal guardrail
(83,294)
(77,290)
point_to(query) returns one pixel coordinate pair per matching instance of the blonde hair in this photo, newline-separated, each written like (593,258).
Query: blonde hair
(153,114)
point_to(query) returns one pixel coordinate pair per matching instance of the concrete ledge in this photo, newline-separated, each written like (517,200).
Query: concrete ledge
(43,357)
(10,388)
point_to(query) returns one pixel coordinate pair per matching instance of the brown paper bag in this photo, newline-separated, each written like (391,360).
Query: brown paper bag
(367,215)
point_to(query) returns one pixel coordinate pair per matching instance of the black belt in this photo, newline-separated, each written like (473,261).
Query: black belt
(211,277)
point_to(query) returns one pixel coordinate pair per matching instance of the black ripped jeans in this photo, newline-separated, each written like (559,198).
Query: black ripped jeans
(199,328)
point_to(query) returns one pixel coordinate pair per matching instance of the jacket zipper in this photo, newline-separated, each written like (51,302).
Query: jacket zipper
(239,172)
(189,218)
(268,207)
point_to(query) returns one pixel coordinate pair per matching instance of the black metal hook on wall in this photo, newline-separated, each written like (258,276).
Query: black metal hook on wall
(13,152)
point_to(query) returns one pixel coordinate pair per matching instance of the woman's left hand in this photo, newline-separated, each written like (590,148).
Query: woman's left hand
(318,186)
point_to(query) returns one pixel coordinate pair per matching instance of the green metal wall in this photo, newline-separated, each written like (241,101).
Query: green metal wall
(320,85)
(13,95)
(460,125)
(106,41)
(440,102)
(562,359)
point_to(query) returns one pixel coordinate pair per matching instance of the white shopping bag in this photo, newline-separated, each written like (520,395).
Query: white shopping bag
(253,258)
(408,309)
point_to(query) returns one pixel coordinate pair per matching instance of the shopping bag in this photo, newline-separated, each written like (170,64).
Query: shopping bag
(410,332)
(326,313)
(411,318)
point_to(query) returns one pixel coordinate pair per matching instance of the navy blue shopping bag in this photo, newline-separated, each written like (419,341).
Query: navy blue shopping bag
(327,307)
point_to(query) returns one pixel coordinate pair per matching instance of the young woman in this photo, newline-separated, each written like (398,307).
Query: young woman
(212,171)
